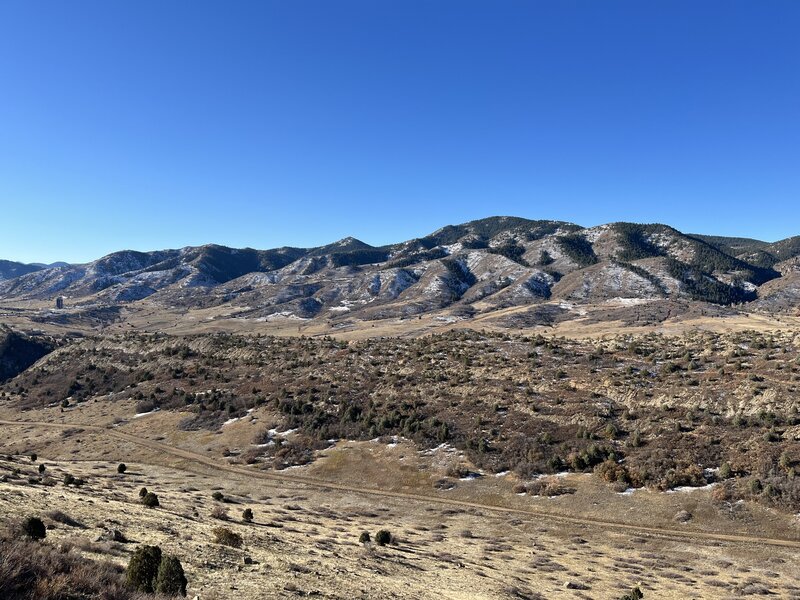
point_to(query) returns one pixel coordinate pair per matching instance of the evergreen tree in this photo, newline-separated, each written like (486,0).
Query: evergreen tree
(34,528)
(171,580)
(143,568)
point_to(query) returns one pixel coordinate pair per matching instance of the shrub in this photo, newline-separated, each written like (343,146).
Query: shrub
(218,496)
(71,480)
(38,570)
(247,515)
(42,469)
(383,537)
(549,487)
(219,512)
(613,472)
(143,568)
(226,537)
(170,580)
(364,538)
(121,468)
(635,440)
(34,457)
(725,471)
(723,493)
(143,492)
(784,461)
(34,528)
(150,500)
(634,594)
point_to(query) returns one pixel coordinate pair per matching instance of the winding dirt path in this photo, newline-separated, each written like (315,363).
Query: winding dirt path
(321,483)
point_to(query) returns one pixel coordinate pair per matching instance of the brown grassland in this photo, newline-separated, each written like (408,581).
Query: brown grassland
(504,465)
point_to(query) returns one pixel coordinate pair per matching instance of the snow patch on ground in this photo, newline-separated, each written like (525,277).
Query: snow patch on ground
(441,448)
(594,233)
(144,414)
(449,319)
(281,315)
(627,301)
(273,432)
(689,488)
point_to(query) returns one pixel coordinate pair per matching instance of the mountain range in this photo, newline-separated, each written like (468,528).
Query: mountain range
(465,269)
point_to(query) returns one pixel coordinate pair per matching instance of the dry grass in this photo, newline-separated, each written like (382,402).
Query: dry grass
(699,398)
(39,571)
(306,540)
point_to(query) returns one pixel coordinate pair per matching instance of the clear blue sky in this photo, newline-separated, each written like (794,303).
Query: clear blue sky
(151,124)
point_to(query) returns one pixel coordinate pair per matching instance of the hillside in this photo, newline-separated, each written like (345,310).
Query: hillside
(496,466)
(458,272)
(10,269)
(19,351)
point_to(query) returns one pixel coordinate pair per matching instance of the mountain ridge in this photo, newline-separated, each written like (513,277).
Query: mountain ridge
(468,268)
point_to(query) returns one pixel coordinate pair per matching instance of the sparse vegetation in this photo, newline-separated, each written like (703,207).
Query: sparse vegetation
(150,500)
(634,594)
(445,388)
(39,571)
(33,528)
(220,512)
(226,537)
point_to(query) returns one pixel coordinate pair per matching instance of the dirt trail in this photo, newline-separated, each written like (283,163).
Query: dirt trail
(321,483)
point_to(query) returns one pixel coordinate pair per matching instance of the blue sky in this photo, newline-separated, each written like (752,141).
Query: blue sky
(154,124)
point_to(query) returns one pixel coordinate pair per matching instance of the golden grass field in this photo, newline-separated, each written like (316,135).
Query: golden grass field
(478,540)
